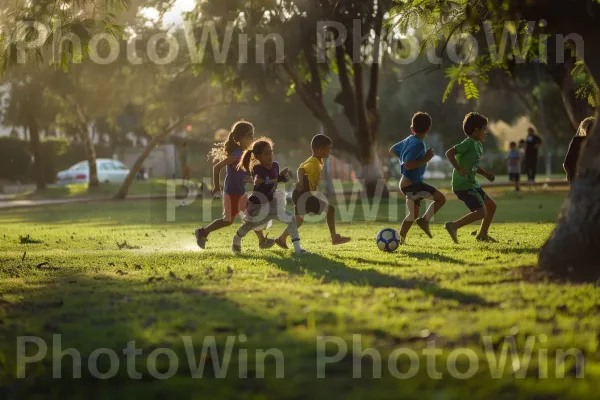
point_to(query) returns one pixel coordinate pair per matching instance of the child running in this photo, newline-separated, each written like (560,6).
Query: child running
(228,155)
(262,204)
(465,158)
(414,156)
(303,195)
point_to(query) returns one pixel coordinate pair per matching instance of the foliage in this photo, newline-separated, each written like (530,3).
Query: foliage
(508,40)
(54,21)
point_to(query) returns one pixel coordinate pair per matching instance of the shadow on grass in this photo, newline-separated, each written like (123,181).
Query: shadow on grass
(109,313)
(518,250)
(329,270)
(103,312)
(422,256)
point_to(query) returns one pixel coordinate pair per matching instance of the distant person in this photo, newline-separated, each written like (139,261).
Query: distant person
(532,145)
(514,165)
(414,156)
(183,162)
(522,150)
(570,164)
(465,158)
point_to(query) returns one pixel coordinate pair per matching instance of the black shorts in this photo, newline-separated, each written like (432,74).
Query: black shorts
(418,191)
(516,177)
(306,203)
(474,199)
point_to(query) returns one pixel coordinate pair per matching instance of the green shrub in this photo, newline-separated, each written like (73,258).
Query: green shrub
(15,159)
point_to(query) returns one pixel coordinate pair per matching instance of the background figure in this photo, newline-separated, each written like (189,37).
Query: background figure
(570,164)
(522,151)
(532,145)
(514,164)
(183,161)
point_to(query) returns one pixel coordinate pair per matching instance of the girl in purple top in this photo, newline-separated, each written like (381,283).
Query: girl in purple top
(227,155)
(262,204)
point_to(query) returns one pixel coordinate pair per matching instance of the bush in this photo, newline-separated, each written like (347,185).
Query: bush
(52,150)
(15,160)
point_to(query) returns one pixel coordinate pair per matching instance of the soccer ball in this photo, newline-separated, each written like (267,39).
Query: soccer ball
(388,240)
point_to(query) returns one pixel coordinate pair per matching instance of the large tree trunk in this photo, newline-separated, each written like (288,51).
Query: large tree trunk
(572,249)
(372,173)
(34,146)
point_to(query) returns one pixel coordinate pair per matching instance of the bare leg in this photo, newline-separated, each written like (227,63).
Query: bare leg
(469,218)
(336,238)
(413,214)
(453,227)
(438,202)
(490,211)
(283,237)
(217,224)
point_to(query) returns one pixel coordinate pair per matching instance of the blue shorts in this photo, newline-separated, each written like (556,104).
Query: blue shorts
(474,199)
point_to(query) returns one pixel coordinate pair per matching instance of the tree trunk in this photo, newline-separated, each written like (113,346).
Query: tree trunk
(126,185)
(572,249)
(34,146)
(372,173)
(91,157)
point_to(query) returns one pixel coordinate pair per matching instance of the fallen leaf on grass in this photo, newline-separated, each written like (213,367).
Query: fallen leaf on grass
(125,245)
(46,265)
(28,240)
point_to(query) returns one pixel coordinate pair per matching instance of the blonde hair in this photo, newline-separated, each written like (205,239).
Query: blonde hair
(586,126)
(220,151)
(249,158)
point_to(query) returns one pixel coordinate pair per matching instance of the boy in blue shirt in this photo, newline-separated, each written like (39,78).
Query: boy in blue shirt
(414,156)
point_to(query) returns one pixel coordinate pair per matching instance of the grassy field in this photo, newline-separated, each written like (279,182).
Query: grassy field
(159,187)
(104,275)
(151,187)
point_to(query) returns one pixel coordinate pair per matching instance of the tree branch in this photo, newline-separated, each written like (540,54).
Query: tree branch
(318,110)
(362,128)
(346,96)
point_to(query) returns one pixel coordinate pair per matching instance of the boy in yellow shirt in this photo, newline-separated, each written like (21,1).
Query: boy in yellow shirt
(309,174)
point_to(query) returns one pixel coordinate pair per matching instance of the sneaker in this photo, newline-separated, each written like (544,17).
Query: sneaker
(267,243)
(201,238)
(452,231)
(339,239)
(424,225)
(281,244)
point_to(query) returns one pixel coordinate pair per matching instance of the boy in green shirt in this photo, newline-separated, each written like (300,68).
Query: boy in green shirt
(465,158)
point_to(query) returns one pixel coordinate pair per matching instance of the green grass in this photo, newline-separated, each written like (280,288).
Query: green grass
(77,190)
(85,283)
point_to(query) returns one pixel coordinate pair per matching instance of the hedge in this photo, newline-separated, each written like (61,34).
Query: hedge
(16,161)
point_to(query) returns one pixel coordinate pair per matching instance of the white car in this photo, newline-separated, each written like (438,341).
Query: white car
(109,171)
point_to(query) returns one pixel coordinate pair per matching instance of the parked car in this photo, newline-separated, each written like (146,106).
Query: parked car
(109,171)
